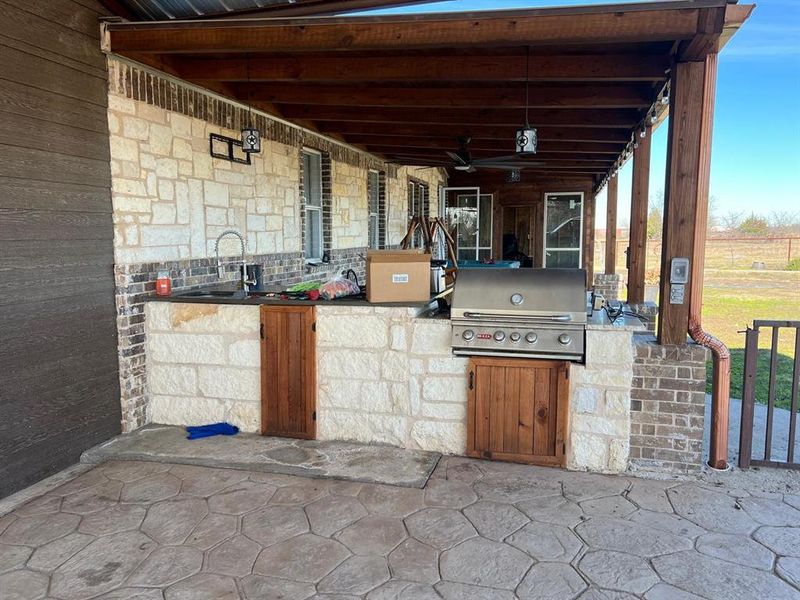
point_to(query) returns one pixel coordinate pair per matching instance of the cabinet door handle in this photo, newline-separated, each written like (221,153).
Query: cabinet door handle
(472,380)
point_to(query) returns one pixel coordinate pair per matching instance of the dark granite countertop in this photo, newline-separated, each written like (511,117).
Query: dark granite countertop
(227,295)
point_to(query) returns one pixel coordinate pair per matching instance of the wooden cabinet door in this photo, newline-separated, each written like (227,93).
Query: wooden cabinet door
(517,410)
(288,371)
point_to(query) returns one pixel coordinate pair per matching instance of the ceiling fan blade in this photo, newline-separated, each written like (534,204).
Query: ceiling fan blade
(500,167)
(511,165)
(498,158)
(457,158)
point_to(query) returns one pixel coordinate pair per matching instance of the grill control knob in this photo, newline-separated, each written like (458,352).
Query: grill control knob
(531,337)
(515,337)
(564,339)
(468,334)
(499,336)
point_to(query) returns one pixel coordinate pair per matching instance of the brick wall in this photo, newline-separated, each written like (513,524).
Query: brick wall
(667,406)
(609,285)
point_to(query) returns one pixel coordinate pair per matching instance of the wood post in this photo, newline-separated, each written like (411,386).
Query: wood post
(637,251)
(686,190)
(611,225)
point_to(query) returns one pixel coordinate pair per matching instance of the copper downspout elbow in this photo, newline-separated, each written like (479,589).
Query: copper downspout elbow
(720,391)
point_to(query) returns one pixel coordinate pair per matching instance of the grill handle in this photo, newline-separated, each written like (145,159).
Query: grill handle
(516,319)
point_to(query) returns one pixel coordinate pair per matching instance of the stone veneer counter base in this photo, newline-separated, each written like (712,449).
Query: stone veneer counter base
(373,463)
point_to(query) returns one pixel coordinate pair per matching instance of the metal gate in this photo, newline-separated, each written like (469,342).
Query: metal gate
(749,392)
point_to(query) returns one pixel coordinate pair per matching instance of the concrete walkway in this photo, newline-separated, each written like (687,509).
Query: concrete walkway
(478,530)
(780,431)
(366,463)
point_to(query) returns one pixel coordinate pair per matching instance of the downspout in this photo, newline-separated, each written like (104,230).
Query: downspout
(721,385)
(721,382)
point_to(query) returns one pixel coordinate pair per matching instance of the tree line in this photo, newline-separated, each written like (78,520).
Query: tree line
(778,223)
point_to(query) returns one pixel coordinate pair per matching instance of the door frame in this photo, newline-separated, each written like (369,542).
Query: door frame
(544,225)
(443,191)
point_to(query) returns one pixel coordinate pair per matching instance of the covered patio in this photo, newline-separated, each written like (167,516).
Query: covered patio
(593,81)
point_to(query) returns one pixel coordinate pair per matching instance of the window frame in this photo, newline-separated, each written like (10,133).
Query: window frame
(312,208)
(417,199)
(373,212)
(545,248)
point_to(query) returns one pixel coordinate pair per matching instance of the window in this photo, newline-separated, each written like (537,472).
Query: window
(472,218)
(563,230)
(418,206)
(312,205)
(374,201)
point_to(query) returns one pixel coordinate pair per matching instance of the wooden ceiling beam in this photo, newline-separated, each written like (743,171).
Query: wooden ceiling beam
(430,68)
(504,143)
(612,119)
(538,162)
(594,96)
(615,24)
(605,137)
(549,157)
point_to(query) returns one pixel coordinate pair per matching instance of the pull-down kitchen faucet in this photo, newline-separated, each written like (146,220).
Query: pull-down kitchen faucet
(244,281)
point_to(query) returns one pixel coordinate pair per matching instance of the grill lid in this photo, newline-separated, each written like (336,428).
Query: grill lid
(557,295)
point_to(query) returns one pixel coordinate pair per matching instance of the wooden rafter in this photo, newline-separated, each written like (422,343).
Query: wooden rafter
(603,137)
(541,96)
(626,23)
(431,68)
(614,118)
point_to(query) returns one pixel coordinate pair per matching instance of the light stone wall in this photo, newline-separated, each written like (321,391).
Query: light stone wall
(171,199)
(600,403)
(203,364)
(386,376)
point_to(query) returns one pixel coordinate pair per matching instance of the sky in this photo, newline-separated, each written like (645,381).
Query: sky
(755,159)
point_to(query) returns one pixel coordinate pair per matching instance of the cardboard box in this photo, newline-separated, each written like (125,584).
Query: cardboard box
(398,276)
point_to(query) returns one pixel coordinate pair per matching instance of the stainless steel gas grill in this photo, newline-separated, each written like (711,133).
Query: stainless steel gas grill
(526,313)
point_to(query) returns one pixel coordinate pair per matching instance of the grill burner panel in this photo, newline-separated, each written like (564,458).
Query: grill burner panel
(525,313)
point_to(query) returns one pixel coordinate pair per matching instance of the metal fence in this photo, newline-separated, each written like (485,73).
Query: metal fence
(721,253)
(751,425)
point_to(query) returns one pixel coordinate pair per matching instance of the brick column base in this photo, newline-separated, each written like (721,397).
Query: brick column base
(667,406)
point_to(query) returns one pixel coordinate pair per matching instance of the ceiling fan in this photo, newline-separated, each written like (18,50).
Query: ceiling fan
(462,160)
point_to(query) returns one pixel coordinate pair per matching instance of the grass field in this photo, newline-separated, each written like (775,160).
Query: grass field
(732,300)
(735,295)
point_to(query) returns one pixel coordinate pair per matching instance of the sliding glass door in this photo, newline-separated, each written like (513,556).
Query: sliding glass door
(563,230)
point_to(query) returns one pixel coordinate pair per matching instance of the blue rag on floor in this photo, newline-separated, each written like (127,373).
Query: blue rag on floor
(201,431)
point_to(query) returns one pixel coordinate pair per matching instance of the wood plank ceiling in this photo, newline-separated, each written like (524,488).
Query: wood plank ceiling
(406,87)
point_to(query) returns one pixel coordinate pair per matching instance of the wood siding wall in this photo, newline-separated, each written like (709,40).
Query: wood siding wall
(59,380)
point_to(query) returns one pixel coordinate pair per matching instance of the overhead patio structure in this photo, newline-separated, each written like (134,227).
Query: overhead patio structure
(407,87)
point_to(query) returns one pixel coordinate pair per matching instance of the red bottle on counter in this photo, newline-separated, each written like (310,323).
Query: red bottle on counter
(163,284)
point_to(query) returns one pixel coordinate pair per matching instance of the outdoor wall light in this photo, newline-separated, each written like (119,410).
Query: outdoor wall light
(251,137)
(251,140)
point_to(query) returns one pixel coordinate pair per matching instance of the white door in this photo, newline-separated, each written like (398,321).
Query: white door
(563,230)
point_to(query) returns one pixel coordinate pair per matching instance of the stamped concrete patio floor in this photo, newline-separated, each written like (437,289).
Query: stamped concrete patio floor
(147,530)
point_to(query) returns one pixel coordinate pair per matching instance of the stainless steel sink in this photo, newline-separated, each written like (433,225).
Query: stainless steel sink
(214,294)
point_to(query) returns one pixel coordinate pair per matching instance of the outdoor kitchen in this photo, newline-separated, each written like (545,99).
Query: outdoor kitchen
(381,366)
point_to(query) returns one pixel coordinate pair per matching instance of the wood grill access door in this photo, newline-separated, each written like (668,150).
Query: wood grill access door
(517,410)
(288,371)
